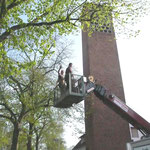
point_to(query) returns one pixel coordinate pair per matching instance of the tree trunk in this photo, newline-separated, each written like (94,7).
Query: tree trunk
(37,143)
(29,144)
(15,137)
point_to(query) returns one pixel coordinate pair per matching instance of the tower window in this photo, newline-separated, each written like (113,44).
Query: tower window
(134,132)
(107,28)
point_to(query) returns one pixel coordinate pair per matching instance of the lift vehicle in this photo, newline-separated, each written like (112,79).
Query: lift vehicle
(79,88)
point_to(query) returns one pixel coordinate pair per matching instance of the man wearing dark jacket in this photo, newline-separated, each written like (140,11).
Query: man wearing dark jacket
(68,71)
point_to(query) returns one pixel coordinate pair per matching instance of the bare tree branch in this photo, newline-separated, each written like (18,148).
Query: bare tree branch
(39,17)
(15,3)
(25,25)
(9,110)
(18,83)
(7,117)
(5,8)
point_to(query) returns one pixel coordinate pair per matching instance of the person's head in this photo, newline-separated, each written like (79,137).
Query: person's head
(70,64)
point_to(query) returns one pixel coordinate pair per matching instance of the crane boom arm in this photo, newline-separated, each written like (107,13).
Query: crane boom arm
(114,103)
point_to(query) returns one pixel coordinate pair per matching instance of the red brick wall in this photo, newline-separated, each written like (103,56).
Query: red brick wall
(105,129)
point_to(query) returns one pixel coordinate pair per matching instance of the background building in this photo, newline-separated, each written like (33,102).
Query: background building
(81,144)
(134,133)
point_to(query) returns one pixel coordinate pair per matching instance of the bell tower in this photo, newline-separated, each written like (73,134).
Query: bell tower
(105,130)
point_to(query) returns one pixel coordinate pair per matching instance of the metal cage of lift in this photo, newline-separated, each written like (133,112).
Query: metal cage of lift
(65,97)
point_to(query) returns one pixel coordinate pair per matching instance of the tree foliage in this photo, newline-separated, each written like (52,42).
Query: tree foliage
(38,20)
(5,133)
(26,98)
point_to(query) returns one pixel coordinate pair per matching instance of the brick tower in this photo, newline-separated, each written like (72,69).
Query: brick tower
(105,130)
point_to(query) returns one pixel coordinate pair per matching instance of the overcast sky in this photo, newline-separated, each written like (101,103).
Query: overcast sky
(134,55)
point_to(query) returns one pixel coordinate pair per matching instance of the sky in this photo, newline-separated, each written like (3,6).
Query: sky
(134,57)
